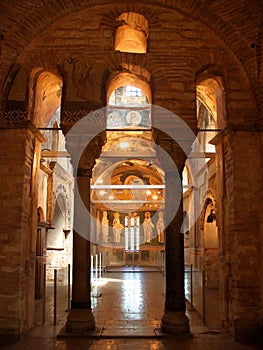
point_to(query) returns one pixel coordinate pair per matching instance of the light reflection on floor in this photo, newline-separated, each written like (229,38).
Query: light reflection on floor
(132,294)
(128,296)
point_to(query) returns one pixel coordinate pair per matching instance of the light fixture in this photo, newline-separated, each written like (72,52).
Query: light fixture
(155,197)
(124,145)
(211,217)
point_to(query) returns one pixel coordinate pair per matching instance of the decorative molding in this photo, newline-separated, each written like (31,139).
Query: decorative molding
(235,128)
(13,115)
(69,116)
(73,112)
(62,173)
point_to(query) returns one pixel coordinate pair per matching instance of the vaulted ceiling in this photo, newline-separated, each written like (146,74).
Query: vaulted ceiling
(185,38)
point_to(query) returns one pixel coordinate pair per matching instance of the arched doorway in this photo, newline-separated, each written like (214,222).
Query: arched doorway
(55,182)
(128,199)
(207,240)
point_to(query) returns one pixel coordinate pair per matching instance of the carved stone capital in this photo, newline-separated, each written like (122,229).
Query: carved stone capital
(83,155)
(171,156)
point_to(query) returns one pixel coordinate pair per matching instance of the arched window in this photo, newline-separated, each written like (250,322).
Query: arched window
(128,103)
(210,111)
(131,33)
(46,97)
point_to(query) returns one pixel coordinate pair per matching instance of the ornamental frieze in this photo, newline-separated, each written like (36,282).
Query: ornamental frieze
(13,115)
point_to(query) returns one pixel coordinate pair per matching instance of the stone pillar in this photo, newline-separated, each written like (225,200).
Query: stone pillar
(20,155)
(174,320)
(239,211)
(85,134)
(80,318)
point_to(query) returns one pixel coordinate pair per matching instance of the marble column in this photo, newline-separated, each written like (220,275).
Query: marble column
(174,320)
(80,318)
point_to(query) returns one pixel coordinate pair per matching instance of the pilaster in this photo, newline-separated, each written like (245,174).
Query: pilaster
(20,155)
(239,168)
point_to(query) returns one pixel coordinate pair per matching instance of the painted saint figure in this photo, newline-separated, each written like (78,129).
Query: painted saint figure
(105,227)
(117,228)
(160,228)
(98,226)
(148,227)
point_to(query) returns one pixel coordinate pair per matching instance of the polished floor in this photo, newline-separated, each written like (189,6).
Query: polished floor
(127,307)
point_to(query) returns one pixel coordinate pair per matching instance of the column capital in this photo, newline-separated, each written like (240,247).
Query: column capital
(83,155)
(171,156)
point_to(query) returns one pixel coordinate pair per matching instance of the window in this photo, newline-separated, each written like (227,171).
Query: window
(133,91)
(131,34)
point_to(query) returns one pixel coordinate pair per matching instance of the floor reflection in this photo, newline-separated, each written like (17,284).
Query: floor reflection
(125,297)
(132,296)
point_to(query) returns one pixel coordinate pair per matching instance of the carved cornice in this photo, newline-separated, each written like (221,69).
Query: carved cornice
(73,112)
(13,111)
(73,116)
(235,128)
(13,115)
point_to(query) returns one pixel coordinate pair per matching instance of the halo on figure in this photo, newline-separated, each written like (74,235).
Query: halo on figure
(133,118)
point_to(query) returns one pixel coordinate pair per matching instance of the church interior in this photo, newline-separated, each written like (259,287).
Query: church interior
(132,131)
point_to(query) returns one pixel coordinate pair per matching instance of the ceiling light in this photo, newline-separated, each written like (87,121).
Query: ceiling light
(124,145)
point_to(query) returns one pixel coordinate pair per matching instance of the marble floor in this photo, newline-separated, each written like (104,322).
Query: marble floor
(128,307)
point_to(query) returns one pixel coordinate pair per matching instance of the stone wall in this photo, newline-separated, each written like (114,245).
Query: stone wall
(241,244)
(19,168)
(211,267)
(186,40)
